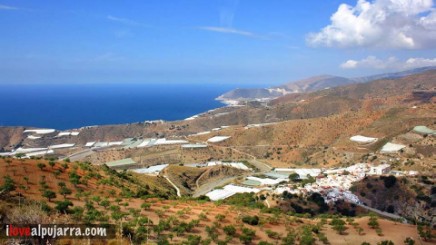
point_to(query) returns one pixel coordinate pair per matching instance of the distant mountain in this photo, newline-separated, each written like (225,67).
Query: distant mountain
(311,84)
(393,75)
(315,83)
(251,94)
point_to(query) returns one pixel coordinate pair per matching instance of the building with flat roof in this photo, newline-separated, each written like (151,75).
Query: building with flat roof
(380,169)
(126,163)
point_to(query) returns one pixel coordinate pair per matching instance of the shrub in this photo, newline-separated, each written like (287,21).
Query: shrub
(74,178)
(386,242)
(264,243)
(63,206)
(8,184)
(220,217)
(251,220)
(322,237)
(338,225)
(105,203)
(379,231)
(247,235)
(424,232)
(272,234)
(41,166)
(389,181)
(307,237)
(289,239)
(212,232)
(409,241)
(230,230)
(373,223)
(193,240)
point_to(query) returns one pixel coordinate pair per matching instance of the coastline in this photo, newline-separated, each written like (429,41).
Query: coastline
(40,106)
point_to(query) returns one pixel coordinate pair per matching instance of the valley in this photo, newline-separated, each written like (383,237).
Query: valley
(317,165)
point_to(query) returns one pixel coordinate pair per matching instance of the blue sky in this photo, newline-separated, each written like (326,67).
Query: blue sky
(211,41)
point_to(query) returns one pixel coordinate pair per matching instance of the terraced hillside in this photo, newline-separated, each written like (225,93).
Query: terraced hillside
(98,195)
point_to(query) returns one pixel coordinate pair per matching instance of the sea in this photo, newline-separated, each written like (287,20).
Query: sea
(68,106)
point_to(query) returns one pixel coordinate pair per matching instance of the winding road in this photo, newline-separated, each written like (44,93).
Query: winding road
(384,214)
(175,186)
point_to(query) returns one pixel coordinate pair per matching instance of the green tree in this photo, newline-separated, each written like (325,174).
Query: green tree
(64,165)
(264,243)
(323,238)
(193,240)
(409,241)
(230,230)
(379,231)
(105,203)
(117,215)
(163,240)
(212,232)
(251,220)
(74,178)
(338,225)
(289,239)
(77,213)
(372,222)
(20,155)
(294,177)
(63,206)
(64,191)
(41,166)
(219,217)
(8,184)
(207,241)
(359,230)
(273,234)
(51,163)
(424,232)
(389,181)
(386,242)
(49,194)
(56,173)
(146,205)
(307,237)
(247,235)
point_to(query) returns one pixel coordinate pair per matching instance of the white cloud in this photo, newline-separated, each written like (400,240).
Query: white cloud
(123,20)
(6,7)
(420,62)
(372,62)
(226,30)
(227,14)
(349,64)
(408,24)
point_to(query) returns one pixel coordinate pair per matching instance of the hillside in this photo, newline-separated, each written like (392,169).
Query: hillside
(99,195)
(380,94)
(409,197)
(311,84)
(316,83)
(301,130)
(189,179)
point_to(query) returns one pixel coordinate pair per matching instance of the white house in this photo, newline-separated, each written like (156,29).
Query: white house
(380,169)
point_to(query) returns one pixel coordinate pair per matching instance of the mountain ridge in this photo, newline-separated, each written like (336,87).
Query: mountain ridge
(310,84)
